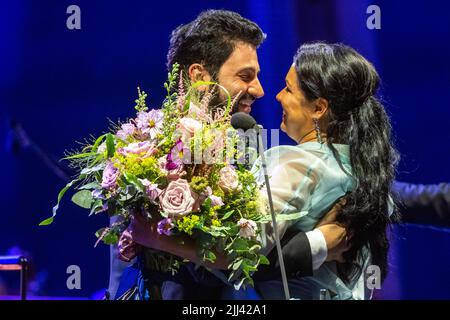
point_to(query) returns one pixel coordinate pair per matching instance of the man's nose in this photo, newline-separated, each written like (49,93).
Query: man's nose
(256,89)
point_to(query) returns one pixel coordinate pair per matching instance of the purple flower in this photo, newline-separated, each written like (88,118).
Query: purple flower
(215,200)
(151,189)
(126,130)
(144,148)
(98,194)
(178,155)
(110,175)
(165,226)
(151,122)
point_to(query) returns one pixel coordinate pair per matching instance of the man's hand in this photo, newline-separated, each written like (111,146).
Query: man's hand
(337,241)
(335,234)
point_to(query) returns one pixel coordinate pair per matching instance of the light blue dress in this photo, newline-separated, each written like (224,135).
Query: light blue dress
(305,181)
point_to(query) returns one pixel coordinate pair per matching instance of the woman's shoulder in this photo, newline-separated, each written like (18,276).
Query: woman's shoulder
(308,150)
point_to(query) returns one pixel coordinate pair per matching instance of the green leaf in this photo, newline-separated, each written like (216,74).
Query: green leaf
(97,143)
(263,260)
(209,256)
(96,205)
(240,244)
(111,238)
(93,169)
(60,195)
(83,198)
(110,145)
(133,180)
(99,232)
(79,156)
(227,215)
(237,264)
(92,185)
(207,204)
(255,248)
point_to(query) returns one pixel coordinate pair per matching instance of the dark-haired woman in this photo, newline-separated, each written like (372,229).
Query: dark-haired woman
(343,146)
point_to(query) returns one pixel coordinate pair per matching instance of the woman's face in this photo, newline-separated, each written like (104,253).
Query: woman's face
(297,110)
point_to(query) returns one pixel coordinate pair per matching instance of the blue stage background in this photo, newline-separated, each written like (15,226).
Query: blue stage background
(61,85)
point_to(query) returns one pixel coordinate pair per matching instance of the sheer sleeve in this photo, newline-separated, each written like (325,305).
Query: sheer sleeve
(293,176)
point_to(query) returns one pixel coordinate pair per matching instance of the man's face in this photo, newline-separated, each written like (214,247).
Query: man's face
(239,74)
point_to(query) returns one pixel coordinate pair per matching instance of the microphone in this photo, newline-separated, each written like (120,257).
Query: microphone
(244,121)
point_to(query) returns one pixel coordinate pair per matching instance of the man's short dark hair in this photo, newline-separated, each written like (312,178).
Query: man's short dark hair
(211,38)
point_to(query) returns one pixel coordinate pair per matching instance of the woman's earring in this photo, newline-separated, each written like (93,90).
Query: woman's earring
(317,128)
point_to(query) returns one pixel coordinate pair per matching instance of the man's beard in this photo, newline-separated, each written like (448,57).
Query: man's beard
(220,100)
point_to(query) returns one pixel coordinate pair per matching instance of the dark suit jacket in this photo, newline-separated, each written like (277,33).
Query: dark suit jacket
(423,204)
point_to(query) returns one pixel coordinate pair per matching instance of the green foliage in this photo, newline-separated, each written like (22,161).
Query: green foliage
(141,106)
(198,184)
(83,198)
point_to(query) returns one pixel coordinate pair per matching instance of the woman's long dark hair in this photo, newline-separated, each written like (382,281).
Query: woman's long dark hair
(349,83)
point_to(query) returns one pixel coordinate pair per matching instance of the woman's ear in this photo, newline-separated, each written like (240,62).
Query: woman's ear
(320,108)
(197,72)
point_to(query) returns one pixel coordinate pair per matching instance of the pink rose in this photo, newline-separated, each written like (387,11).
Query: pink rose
(229,180)
(188,127)
(178,199)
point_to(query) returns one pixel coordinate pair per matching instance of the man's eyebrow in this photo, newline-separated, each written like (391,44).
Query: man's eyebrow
(287,82)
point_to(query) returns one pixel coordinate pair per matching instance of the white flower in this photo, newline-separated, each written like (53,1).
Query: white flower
(247,228)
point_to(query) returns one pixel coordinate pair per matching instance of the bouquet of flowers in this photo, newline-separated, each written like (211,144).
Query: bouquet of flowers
(176,164)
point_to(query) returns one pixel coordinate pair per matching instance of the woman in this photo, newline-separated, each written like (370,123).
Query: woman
(343,146)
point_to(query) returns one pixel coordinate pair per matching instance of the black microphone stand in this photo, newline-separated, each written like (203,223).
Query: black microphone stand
(272,212)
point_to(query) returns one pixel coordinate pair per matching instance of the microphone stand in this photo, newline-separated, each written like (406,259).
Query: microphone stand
(272,212)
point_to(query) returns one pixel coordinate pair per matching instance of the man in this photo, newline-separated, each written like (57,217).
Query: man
(221,46)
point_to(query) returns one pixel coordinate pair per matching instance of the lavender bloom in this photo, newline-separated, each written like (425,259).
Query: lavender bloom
(151,189)
(98,194)
(165,226)
(126,130)
(178,155)
(151,122)
(215,200)
(110,175)
(144,148)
